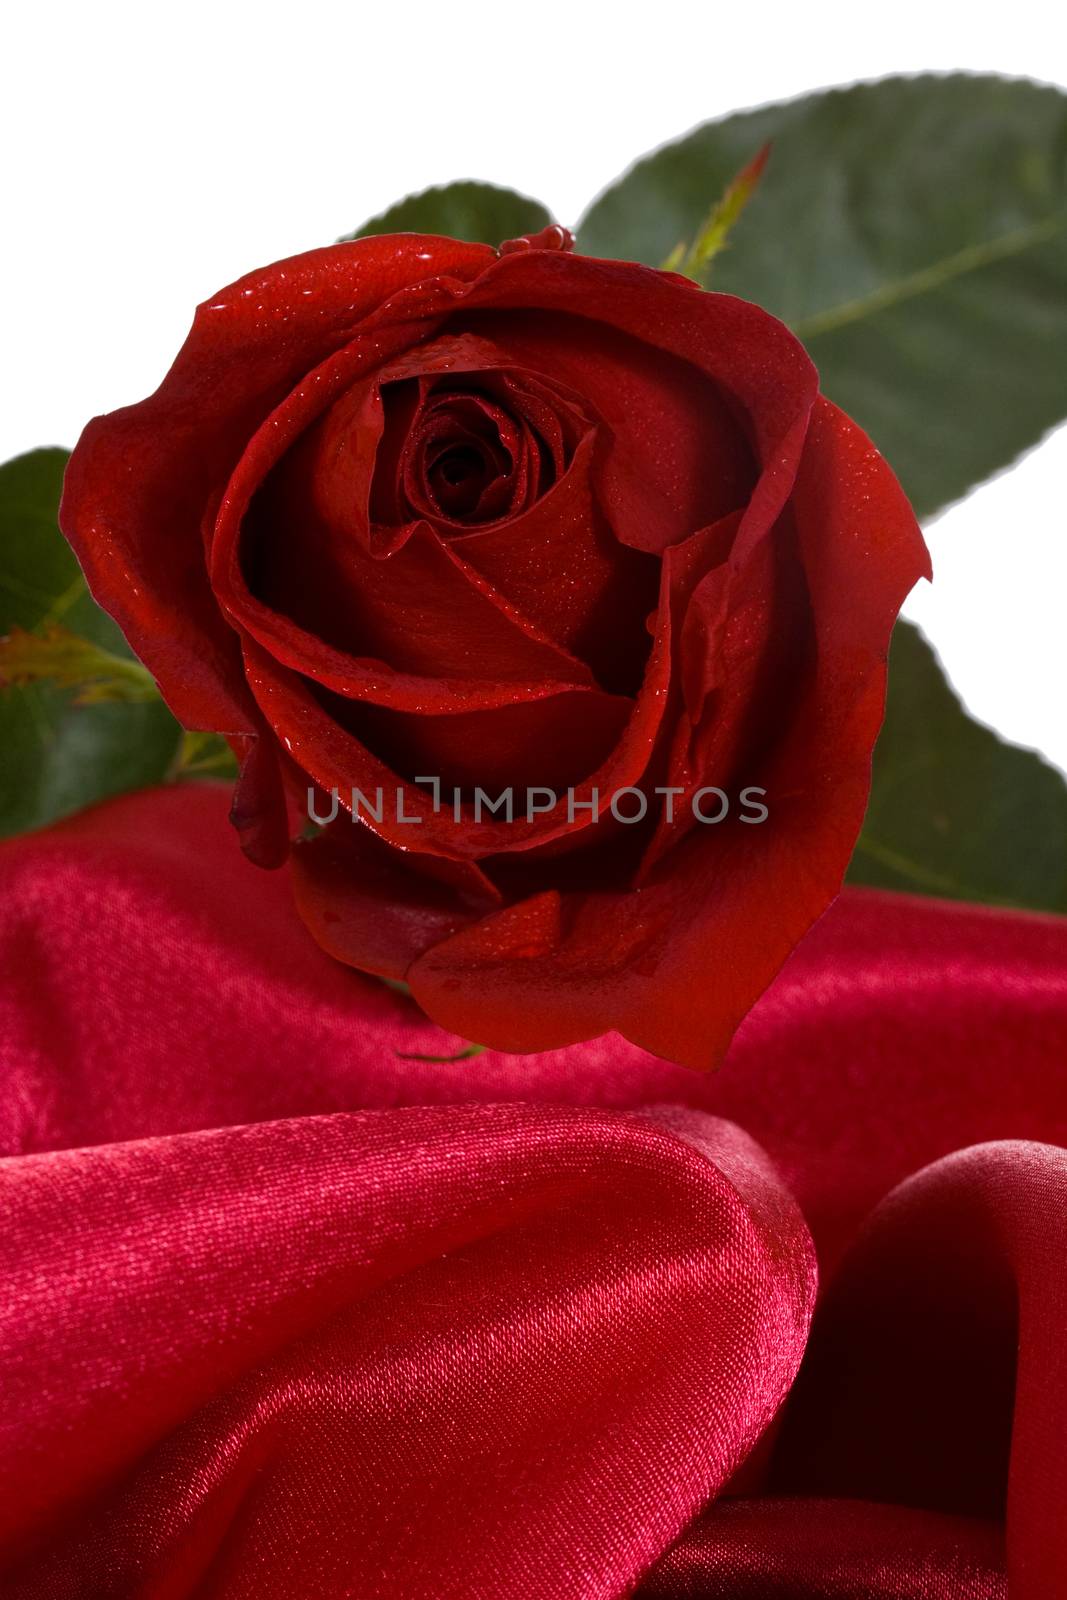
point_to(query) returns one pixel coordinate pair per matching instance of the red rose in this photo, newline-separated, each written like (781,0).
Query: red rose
(519,521)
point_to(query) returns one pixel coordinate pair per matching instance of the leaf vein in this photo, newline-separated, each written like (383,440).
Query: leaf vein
(928,279)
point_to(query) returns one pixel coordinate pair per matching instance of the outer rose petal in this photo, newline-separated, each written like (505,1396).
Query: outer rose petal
(675,965)
(142,479)
(356,893)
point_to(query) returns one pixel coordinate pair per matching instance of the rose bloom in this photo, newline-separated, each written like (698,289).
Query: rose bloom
(408,507)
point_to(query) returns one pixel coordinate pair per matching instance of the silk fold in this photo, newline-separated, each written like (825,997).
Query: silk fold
(287,1308)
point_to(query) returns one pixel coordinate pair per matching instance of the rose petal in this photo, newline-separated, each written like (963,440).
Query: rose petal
(675,456)
(141,478)
(561,565)
(676,966)
(372,906)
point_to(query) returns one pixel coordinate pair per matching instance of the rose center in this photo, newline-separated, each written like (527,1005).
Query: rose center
(464,456)
(458,474)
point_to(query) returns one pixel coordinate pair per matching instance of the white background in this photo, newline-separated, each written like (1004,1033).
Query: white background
(155,152)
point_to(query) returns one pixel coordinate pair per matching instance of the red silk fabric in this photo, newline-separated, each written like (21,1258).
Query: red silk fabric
(285,1313)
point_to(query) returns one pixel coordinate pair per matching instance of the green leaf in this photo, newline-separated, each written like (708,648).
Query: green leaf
(480,213)
(59,756)
(914,234)
(203,755)
(955,811)
(56,656)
